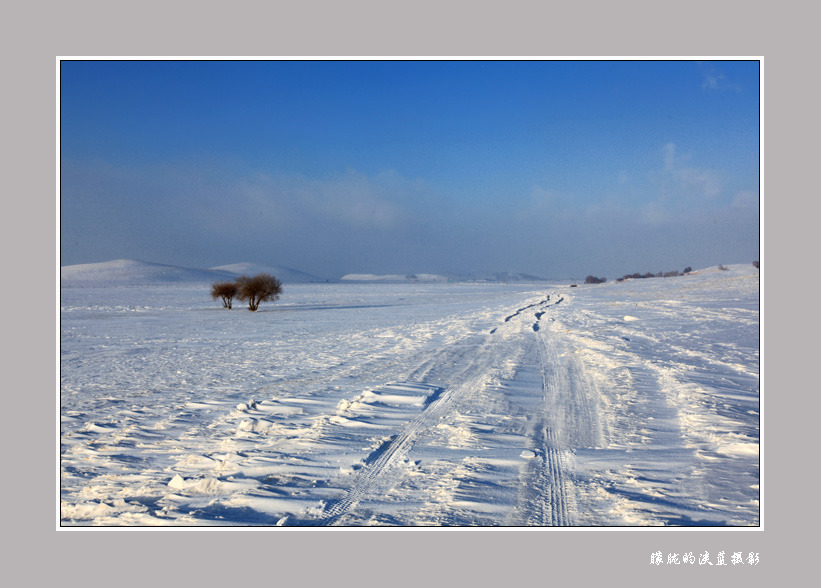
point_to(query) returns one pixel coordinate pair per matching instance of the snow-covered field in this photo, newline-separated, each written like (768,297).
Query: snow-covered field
(619,404)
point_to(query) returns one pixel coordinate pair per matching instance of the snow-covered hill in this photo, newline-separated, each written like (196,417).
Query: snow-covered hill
(129,272)
(729,270)
(285,274)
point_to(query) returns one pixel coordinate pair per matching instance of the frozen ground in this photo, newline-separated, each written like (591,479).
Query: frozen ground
(620,404)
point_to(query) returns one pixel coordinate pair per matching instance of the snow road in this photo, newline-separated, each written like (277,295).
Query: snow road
(633,403)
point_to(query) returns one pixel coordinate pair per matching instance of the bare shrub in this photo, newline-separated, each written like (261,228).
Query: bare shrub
(671,274)
(723,268)
(594,280)
(687,269)
(756,265)
(258,289)
(227,291)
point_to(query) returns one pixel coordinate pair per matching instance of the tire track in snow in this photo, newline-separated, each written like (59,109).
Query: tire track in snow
(377,478)
(384,467)
(546,502)
(543,303)
(568,417)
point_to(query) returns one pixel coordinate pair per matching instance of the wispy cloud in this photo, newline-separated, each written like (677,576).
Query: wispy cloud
(172,213)
(713,79)
(688,180)
(351,199)
(211,214)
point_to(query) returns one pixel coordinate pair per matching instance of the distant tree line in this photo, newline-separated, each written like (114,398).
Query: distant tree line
(669,274)
(636,276)
(260,288)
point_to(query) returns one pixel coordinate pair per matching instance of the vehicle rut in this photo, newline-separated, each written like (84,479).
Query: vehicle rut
(383,467)
(546,491)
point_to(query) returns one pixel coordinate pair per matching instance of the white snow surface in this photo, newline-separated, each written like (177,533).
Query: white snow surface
(617,404)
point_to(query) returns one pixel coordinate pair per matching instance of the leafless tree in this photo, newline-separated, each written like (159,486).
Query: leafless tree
(258,289)
(226,291)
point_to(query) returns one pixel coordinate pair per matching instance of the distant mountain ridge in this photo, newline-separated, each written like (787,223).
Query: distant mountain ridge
(284,274)
(499,277)
(394,278)
(130,272)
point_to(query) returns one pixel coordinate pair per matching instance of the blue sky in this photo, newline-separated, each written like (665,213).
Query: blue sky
(556,168)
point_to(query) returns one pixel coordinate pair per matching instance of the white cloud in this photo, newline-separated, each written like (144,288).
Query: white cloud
(541,200)
(352,200)
(703,181)
(714,80)
(689,181)
(655,213)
